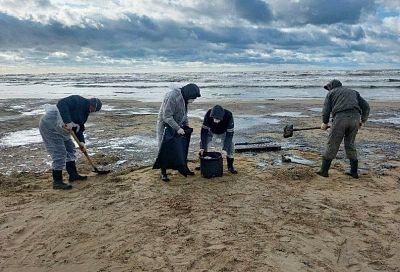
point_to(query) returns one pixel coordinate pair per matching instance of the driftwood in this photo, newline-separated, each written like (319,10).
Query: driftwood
(255,147)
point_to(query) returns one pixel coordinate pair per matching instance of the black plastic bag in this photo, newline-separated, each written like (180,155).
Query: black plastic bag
(174,150)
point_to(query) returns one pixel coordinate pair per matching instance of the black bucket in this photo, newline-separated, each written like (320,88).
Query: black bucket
(211,165)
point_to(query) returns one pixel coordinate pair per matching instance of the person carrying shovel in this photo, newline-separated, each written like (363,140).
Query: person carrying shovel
(68,116)
(219,122)
(349,111)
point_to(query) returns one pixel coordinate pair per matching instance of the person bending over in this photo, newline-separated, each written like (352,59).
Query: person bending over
(218,122)
(70,114)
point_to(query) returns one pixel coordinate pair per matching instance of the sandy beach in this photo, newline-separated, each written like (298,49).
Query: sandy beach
(272,216)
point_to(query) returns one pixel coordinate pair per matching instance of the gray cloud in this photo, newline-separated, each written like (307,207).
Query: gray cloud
(315,32)
(319,12)
(255,11)
(347,32)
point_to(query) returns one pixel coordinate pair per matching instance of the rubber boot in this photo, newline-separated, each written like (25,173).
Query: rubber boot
(326,164)
(230,165)
(73,173)
(183,170)
(164,176)
(353,169)
(58,182)
(189,172)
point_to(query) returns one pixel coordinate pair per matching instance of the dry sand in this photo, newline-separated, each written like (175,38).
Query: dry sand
(269,217)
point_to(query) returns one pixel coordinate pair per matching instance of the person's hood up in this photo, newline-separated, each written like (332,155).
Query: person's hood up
(95,102)
(190,91)
(217,112)
(332,84)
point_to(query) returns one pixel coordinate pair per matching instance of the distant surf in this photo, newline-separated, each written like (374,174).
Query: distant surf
(381,85)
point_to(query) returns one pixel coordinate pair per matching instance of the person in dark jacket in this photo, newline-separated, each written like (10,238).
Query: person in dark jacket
(349,112)
(173,113)
(219,122)
(70,114)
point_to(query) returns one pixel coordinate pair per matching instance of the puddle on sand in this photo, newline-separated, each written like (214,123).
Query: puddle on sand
(136,143)
(390,120)
(289,114)
(243,122)
(197,113)
(20,138)
(315,109)
(34,112)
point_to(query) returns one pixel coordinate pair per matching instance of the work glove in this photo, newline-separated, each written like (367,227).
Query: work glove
(181,131)
(69,126)
(82,147)
(324,126)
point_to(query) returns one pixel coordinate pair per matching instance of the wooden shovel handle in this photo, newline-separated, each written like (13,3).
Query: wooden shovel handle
(84,152)
(309,128)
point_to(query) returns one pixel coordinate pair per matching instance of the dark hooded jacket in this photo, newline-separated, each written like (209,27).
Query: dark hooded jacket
(190,91)
(341,99)
(75,109)
(226,125)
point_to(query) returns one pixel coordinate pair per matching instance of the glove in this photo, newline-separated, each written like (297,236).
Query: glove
(324,126)
(181,131)
(201,152)
(82,147)
(69,126)
(77,128)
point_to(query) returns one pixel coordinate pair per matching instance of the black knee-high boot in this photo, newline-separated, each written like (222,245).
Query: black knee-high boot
(353,169)
(230,165)
(326,164)
(73,172)
(58,182)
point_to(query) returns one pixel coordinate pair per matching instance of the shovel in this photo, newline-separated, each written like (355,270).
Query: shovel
(95,169)
(288,130)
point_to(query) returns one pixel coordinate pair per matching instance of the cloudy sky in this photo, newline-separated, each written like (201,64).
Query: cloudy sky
(197,33)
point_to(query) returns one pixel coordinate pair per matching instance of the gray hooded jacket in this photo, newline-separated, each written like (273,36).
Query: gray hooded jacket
(172,112)
(341,99)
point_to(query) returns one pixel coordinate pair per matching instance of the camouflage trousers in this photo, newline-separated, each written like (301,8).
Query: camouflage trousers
(345,126)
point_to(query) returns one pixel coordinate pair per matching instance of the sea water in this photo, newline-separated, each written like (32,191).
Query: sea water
(381,85)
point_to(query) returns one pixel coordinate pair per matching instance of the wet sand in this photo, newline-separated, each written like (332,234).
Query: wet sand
(272,216)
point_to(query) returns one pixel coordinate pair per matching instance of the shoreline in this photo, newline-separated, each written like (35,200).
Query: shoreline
(125,130)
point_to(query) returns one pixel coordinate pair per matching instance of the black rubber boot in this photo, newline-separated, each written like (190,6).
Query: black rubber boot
(353,169)
(230,165)
(73,173)
(326,164)
(164,176)
(182,170)
(58,182)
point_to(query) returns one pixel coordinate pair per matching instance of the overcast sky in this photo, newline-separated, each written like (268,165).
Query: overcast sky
(197,33)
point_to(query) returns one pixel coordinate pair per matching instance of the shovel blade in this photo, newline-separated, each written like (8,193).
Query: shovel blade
(288,131)
(101,172)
